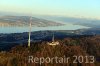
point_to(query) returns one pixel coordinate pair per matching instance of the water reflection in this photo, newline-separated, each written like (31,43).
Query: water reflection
(26,29)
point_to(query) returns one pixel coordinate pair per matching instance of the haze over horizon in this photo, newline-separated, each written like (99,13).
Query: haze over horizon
(71,8)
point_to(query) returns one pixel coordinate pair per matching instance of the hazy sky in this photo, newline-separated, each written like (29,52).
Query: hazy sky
(74,8)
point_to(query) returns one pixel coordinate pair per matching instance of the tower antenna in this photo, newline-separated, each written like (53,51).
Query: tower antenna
(53,38)
(30,26)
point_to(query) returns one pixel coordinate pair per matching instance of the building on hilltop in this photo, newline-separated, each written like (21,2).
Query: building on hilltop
(53,43)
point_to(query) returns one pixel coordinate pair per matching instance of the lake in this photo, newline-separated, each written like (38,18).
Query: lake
(26,29)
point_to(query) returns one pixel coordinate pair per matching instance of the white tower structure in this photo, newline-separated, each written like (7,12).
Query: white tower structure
(53,38)
(30,26)
(53,43)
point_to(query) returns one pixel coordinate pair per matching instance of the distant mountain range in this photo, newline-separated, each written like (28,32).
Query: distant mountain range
(41,20)
(94,23)
(24,21)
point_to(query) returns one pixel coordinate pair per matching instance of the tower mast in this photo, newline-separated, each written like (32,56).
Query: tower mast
(30,25)
(53,38)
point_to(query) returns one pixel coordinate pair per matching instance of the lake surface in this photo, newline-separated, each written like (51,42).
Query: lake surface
(26,29)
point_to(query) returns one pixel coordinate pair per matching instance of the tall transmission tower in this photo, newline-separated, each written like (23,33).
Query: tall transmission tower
(53,38)
(30,26)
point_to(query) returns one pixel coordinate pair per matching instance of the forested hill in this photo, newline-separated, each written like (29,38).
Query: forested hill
(83,46)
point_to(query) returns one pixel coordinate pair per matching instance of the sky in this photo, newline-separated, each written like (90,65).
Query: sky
(72,8)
